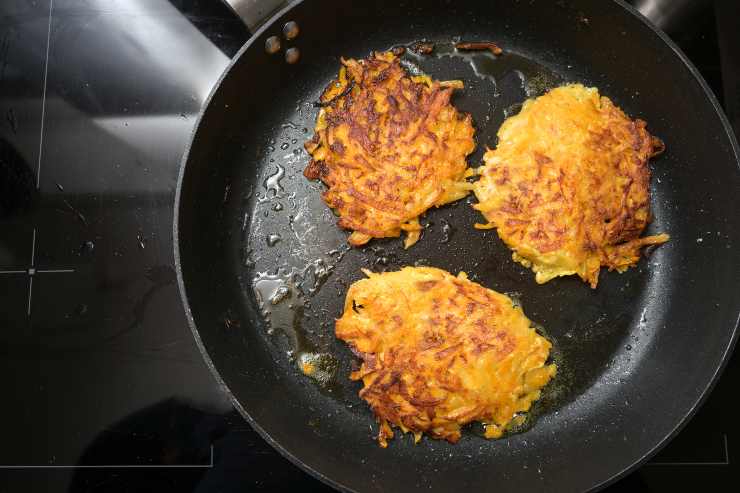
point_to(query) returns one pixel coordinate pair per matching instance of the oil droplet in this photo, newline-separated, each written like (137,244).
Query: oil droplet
(281,304)
(294,141)
(537,85)
(247,260)
(412,68)
(516,298)
(447,230)
(485,66)
(273,239)
(268,288)
(511,70)
(280,294)
(320,366)
(272,183)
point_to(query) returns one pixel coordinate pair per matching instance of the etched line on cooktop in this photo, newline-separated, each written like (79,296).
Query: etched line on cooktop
(112,466)
(725,462)
(33,247)
(31,271)
(43,99)
(30,294)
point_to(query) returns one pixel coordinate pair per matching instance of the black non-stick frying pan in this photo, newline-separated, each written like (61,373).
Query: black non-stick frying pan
(636,355)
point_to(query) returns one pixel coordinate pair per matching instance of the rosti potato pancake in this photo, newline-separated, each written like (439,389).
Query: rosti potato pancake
(388,146)
(440,351)
(567,187)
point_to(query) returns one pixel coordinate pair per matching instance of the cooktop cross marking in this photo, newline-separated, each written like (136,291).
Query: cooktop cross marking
(32,271)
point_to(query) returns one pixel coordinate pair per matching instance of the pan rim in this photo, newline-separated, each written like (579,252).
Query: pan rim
(178,265)
(701,399)
(614,477)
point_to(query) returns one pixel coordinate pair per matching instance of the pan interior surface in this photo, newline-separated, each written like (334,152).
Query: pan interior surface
(265,269)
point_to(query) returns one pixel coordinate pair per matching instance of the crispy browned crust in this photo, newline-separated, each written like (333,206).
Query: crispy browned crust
(388,146)
(480,46)
(440,351)
(567,187)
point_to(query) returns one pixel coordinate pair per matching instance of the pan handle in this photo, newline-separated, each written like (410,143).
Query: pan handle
(254,13)
(670,15)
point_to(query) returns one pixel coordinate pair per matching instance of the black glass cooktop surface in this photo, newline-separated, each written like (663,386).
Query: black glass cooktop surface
(103,386)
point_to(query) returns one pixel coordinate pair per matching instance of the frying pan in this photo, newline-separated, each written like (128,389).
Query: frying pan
(636,356)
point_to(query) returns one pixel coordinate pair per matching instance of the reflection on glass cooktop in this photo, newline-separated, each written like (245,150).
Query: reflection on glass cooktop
(105,388)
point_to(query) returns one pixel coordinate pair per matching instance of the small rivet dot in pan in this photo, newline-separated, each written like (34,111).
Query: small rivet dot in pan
(290,30)
(292,55)
(272,45)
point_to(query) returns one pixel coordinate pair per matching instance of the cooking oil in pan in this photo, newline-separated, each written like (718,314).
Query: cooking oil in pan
(322,367)
(272,184)
(532,78)
(278,300)
(273,239)
(283,299)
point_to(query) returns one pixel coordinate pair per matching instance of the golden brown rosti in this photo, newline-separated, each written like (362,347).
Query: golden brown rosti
(567,187)
(388,146)
(440,351)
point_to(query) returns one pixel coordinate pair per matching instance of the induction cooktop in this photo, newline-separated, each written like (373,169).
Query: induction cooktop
(103,387)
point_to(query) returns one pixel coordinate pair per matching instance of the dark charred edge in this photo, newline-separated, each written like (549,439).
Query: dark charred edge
(422,47)
(323,104)
(315,170)
(480,46)
(657,148)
